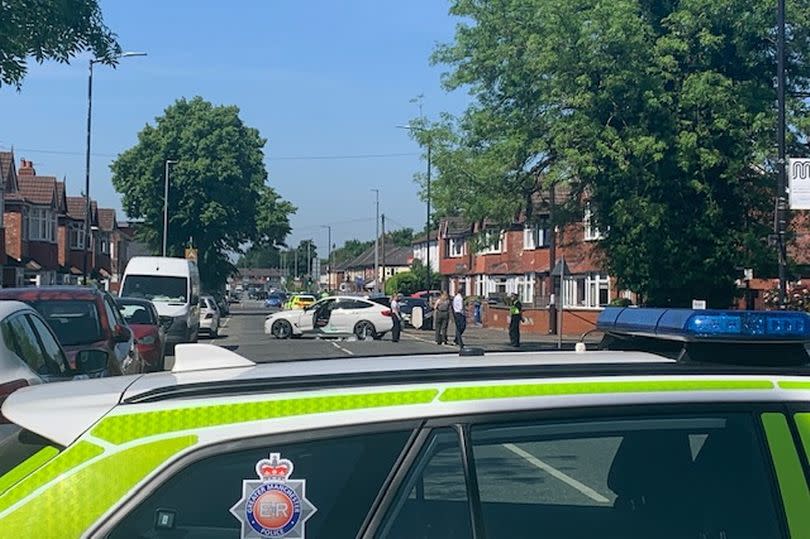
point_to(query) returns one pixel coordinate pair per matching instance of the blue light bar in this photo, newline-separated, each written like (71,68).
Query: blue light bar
(707,325)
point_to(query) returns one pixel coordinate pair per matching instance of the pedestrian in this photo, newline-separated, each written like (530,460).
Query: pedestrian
(441,317)
(459,317)
(396,317)
(477,311)
(515,318)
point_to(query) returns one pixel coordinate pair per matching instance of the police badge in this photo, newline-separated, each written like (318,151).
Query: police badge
(274,505)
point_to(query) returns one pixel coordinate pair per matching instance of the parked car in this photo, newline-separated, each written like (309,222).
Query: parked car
(150,338)
(83,317)
(209,316)
(30,353)
(336,315)
(406,306)
(275,299)
(173,285)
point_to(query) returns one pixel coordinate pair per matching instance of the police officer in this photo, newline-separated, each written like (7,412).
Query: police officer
(515,318)
(396,317)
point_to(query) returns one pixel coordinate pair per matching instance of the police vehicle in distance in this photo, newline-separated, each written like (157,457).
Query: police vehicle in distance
(707,436)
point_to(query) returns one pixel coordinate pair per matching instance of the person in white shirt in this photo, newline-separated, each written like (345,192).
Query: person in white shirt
(396,317)
(459,317)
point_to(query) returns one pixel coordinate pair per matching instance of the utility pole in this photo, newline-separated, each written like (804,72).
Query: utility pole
(781,161)
(377,243)
(295,276)
(309,258)
(427,222)
(383,253)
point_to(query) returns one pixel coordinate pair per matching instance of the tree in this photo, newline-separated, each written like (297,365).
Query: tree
(351,249)
(50,31)
(218,198)
(401,238)
(657,115)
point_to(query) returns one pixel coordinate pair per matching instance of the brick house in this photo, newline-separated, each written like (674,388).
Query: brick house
(490,262)
(71,238)
(102,243)
(31,213)
(358,273)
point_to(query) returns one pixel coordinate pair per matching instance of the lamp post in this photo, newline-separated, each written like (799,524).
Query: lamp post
(329,258)
(377,243)
(93,61)
(166,203)
(427,197)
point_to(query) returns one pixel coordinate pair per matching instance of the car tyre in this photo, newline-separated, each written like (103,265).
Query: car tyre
(364,329)
(281,329)
(215,332)
(379,336)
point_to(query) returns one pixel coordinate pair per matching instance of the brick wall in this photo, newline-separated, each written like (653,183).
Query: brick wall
(61,242)
(575,322)
(15,247)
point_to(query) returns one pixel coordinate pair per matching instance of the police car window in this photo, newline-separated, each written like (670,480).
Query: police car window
(433,503)
(335,481)
(669,477)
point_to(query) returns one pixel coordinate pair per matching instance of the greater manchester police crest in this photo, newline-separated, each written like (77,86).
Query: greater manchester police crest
(274,505)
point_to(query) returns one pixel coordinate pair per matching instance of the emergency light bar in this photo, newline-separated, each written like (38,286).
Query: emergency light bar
(707,325)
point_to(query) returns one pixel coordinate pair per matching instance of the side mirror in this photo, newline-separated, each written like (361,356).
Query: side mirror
(122,334)
(91,362)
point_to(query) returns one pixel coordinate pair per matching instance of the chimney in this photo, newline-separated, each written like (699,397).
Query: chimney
(26,168)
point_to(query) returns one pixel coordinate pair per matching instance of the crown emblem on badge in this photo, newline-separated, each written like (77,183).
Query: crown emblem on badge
(274,469)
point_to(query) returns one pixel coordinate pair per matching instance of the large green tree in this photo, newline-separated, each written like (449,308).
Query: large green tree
(660,113)
(218,196)
(50,30)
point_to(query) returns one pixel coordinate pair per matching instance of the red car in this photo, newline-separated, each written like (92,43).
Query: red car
(83,317)
(150,339)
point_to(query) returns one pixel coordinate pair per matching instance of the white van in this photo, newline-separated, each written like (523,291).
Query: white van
(173,285)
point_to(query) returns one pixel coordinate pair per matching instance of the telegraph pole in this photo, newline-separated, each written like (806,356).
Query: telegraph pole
(383,253)
(377,243)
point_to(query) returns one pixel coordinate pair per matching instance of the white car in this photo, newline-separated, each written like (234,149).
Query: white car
(336,315)
(209,316)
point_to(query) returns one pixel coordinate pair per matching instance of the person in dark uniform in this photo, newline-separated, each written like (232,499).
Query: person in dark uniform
(515,318)
(396,317)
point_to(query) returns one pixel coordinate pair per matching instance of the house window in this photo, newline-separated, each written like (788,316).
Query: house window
(76,233)
(103,243)
(592,232)
(536,236)
(588,291)
(41,224)
(455,247)
(491,242)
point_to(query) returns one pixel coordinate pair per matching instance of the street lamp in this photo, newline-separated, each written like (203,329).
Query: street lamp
(427,189)
(166,203)
(93,61)
(781,180)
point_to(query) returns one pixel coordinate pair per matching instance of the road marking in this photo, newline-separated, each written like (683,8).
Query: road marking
(336,345)
(224,323)
(554,472)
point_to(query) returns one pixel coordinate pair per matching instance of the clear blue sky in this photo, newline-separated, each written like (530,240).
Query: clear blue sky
(317,78)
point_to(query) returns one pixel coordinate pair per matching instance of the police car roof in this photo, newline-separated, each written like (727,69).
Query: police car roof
(62,411)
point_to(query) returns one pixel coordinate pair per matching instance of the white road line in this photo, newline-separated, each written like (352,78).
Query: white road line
(224,323)
(336,345)
(554,472)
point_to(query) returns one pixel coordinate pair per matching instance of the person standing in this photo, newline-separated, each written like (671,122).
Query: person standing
(459,317)
(441,317)
(396,317)
(515,318)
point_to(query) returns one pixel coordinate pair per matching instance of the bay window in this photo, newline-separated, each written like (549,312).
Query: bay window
(491,242)
(40,224)
(455,247)
(592,232)
(589,291)
(76,233)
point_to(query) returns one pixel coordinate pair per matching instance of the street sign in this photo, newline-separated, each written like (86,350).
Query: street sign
(748,274)
(799,183)
(699,304)
(191,254)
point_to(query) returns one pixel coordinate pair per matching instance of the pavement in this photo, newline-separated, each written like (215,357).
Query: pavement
(243,332)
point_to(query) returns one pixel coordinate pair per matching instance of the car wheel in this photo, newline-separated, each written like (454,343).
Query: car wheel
(365,329)
(379,336)
(281,329)
(215,332)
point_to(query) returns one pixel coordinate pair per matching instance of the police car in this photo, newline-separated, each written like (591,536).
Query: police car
(707,437)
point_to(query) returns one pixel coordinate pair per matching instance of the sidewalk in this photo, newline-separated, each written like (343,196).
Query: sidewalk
(498,339)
